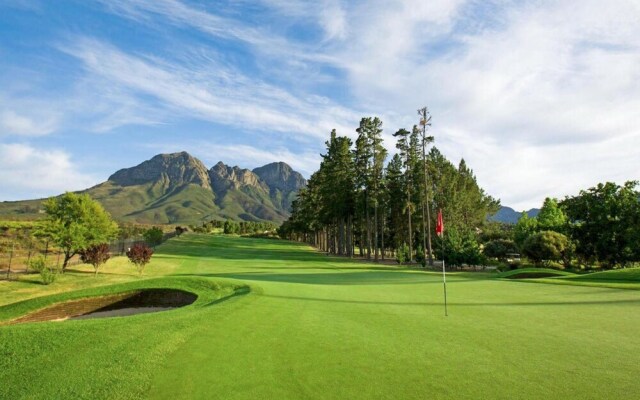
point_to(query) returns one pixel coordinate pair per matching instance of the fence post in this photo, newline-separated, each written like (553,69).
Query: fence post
(13,244)
(29,255)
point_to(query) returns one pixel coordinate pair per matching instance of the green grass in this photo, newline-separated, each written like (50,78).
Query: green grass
(618,275)
(533,273)
(321,327)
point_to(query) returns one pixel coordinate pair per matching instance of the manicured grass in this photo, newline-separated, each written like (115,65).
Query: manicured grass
(314,326)
(618,275)
(530,273)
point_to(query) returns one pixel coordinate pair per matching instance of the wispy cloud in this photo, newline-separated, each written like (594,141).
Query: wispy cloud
(540,97)
(181,14)
(544,101)
(204,88)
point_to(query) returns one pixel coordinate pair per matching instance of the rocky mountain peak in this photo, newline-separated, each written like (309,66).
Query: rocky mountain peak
(224,177)
(173,169)
(281,176)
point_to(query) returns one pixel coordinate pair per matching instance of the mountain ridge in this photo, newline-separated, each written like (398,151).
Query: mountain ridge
(177,188)
(508,215)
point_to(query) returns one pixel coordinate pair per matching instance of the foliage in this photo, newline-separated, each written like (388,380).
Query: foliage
(459,247)
(604,222)
(96,255)
(153,236)
(140,255)
(48,272)
(494,230)
(402,254)
(128,231)
(74,222)
(499,248)
(525,227)
(420,258)
(180,230)
(551,217)
(353,200)
(230,227)
(546,246)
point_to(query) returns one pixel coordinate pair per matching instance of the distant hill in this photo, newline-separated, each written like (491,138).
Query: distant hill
(510,216)
(179,189)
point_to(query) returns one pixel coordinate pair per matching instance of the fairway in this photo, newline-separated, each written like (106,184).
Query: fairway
(278,320)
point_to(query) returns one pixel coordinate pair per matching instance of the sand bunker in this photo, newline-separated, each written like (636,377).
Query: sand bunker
(116,305)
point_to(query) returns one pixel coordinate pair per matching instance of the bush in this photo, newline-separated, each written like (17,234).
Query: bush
(153,236)
(96,255)
(140,255)
(420,258)
(48,273)
(546,246)
(459,247)
(402,254)
(499,248)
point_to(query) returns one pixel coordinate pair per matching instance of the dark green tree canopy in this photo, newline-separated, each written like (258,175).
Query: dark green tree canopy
(604,223)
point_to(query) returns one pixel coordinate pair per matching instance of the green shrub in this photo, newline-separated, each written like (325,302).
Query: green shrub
(153,236)
(402,254)
(499,248)
(48,273)
(420,258)
(546,246)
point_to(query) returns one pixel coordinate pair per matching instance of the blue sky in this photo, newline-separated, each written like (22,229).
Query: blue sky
(540,97)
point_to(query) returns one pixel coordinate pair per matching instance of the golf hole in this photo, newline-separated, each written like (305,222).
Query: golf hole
(116,305)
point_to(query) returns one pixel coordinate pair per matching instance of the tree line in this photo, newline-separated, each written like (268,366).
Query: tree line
(599,227)
(359,204)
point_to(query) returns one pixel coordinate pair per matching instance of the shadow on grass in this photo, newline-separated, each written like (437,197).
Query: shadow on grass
(227,248)
(243,291)
(457,304)
(335,278)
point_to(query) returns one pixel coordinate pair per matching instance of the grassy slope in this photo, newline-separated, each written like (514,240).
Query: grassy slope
(152,204)
(319,327)
(532,272)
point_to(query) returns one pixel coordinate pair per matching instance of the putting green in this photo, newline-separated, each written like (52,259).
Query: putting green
(314,326)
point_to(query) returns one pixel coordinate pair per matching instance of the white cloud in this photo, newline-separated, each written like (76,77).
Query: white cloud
(209,90)
(20,124)
(542,103)
(26,171)
(20,117)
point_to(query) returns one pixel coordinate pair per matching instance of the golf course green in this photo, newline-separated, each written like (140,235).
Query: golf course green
(278,320)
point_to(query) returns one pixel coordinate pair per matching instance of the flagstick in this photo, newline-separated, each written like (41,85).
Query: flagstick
(440,233)
(444,282)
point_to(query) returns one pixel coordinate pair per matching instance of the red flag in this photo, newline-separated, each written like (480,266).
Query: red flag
(439,224)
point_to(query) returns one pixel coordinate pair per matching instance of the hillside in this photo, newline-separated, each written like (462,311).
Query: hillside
(179,189)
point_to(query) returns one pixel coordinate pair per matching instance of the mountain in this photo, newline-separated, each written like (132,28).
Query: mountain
(510,216)
(283,182)
(178,188)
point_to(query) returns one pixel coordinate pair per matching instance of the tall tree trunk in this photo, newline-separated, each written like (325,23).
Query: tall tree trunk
(426,192)
(341,245)
(361,242)
(410,233)
(382,236)
(349,237)
(368,227)
(375,229)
